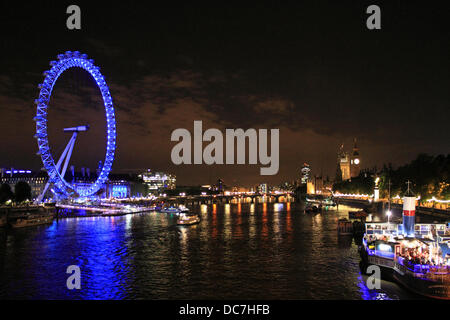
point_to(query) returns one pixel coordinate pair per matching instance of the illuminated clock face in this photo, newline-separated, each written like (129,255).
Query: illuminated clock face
(356,161)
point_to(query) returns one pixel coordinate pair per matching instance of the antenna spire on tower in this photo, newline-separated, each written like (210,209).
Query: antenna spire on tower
(408,191)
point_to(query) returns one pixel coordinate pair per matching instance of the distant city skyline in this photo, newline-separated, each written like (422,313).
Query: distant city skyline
(321,81)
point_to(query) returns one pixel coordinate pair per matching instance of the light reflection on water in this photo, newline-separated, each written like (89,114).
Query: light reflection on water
(238,251)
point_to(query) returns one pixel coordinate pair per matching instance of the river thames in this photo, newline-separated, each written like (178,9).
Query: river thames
(237,251)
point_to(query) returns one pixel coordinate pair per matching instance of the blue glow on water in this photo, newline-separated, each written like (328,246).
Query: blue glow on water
(372,294)
(246,251)
(103,256)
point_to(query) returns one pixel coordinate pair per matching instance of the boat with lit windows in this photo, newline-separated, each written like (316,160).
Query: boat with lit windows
(169,210)
(186,220)
(31,220)
(183,210)
(417,256)
(29,215)
(321,200)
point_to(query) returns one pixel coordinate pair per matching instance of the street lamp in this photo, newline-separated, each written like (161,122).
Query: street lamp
(377,190)
(388,213)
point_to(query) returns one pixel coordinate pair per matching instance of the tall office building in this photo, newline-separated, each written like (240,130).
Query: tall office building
(305,173)
(158,181)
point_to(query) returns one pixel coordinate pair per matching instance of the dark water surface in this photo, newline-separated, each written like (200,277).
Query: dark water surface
(238,251)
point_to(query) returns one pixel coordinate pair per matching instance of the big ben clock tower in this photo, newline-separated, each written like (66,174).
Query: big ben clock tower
(355,161)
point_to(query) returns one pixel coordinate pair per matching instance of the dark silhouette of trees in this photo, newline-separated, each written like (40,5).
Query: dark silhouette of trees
(5,193)
(22,191)
(430,177)
(362,184)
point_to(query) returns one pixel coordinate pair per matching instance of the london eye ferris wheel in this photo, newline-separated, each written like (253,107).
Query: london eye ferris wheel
(61,187)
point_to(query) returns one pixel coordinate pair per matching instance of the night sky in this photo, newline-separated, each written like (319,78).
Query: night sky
(313,70)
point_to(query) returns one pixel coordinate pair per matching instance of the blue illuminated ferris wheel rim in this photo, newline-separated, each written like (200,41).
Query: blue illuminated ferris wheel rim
(66,61)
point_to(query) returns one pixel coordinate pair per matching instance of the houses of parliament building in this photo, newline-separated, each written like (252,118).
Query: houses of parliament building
(349,164)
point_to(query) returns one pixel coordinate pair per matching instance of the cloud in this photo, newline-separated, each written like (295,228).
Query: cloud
(103,48)
(275,106)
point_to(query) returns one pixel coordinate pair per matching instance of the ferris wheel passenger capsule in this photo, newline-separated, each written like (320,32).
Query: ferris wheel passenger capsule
(38,118)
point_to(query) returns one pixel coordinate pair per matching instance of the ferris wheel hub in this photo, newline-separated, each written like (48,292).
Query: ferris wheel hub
(77,129)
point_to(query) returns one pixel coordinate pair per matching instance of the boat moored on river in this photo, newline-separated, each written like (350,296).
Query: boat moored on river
(185,220)
(417,256)
(183,209)
(170,210)
(321,200)
(31,220)
(26,216)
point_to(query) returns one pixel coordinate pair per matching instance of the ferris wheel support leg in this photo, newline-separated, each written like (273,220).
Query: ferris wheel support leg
(63,155)
(69,149)
(69,154)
